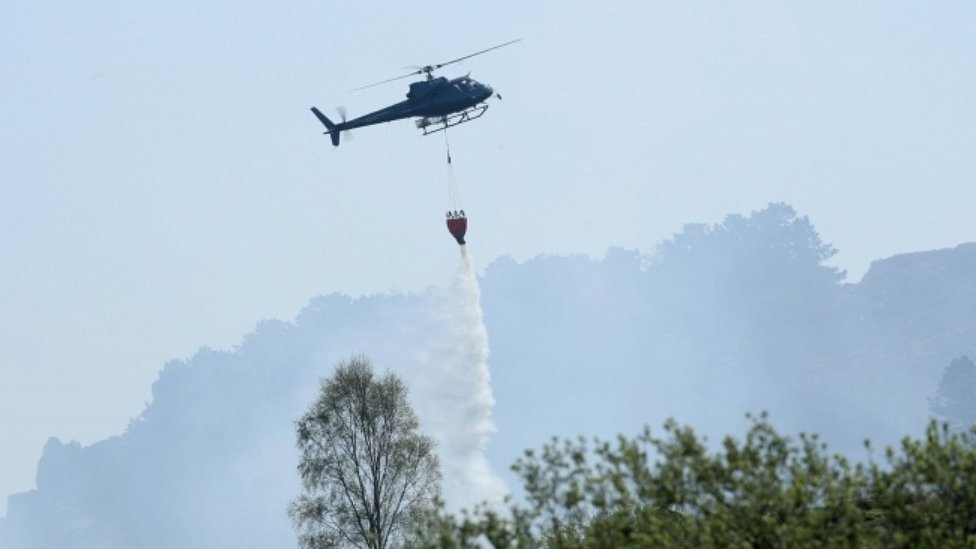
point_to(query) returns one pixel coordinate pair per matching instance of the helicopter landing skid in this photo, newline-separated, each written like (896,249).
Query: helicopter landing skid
(444,122)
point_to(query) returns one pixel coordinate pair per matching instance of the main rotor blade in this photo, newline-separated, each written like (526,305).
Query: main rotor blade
(427,69)
(476,53)
(408,75)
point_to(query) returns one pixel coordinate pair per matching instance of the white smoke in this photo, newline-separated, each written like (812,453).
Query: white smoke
(453,389)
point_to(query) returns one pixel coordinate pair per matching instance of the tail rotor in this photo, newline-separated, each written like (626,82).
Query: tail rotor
(341,111)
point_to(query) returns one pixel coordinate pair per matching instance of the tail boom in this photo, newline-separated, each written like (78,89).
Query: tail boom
(334,129)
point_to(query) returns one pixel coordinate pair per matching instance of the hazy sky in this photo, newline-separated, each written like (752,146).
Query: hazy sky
(163,185)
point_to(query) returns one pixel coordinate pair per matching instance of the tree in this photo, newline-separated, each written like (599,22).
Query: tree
(367,473)
(767,490)
(956,397)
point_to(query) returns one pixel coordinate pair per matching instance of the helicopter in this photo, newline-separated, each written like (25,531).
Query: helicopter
(437,102)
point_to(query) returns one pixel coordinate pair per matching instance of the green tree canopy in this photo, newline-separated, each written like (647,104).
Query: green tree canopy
(767,490)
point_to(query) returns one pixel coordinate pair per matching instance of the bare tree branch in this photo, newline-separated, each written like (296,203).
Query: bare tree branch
(366,470)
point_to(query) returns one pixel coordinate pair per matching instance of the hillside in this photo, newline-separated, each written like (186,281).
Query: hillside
(719,320)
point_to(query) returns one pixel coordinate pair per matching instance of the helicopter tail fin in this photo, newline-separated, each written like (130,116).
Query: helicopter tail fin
(333,128)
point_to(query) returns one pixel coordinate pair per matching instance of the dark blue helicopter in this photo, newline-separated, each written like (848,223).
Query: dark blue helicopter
(439,103)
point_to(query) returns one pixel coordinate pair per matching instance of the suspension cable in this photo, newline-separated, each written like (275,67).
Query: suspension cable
(453,195)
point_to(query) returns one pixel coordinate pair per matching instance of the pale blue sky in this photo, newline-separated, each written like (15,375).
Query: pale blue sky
(163,185)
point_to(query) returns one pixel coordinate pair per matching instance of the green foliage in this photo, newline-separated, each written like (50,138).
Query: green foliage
(927,495)
(367,474)
(767,490)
